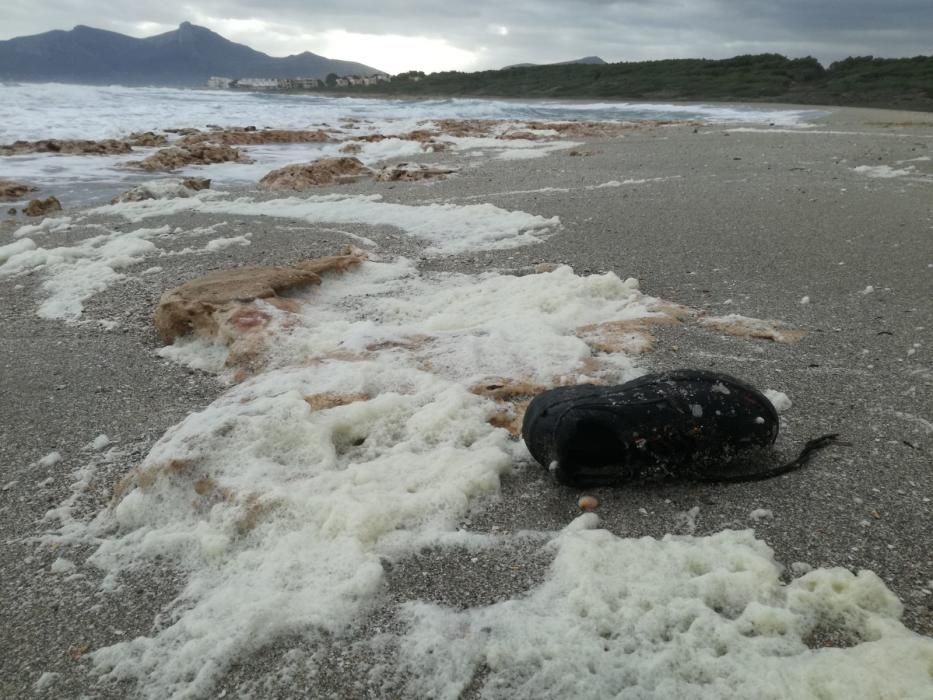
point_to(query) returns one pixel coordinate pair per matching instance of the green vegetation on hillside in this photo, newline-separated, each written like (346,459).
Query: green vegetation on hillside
(879,82)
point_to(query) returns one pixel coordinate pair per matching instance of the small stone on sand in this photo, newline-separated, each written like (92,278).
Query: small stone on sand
(588,503)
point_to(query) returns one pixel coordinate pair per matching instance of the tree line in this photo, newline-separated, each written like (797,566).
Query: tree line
(862,80)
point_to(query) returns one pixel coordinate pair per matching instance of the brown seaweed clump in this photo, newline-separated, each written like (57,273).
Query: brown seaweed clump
(176,157)
(14,190)
(304,176)
(254,137)
(196,306)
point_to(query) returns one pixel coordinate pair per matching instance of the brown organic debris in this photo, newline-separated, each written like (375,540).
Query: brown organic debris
(511,418)
(435,146)
(506,389)
(674,313)
(338,356)
(14,190)
(254,509)
(213,305)
(303,176)
(465,127)
(147,139)
(204,487)
(520,135)
(143,477)
(76,651)
(513,396)
(590,129)
(332,399)
(630,336)
(78,147)
(251,136)
(42,207)
(423,135)
(412,342)
(410,172)
(544,267)
(745,327)
(196,183)
(251,507)
(162,189)
(175,157)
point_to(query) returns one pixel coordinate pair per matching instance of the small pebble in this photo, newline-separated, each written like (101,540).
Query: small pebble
(588,503)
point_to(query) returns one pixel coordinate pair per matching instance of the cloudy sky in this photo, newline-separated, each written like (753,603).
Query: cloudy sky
(397,35)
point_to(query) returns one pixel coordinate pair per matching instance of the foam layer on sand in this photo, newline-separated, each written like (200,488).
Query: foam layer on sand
(467,328)
(277,513)
(280,503)
(75,273)
(277,501)
(447,228)
(696,617)
(884,171)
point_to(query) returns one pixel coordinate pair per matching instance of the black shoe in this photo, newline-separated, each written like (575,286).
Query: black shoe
(685,423)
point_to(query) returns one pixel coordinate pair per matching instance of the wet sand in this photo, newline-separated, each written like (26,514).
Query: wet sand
(746,222)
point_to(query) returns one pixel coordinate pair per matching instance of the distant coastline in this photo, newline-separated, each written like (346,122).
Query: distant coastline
(886,83)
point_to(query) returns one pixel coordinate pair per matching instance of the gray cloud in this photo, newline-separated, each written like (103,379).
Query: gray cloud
(537,31)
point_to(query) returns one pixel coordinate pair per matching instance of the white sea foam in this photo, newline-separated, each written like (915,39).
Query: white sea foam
(779,400)
(223,243)
(562,190)
(681,617)
(884,171)
(75,273)
(508,149)
(446,228)
(72,274)
(51,459)
(468,327)
(50,224)
(297,506)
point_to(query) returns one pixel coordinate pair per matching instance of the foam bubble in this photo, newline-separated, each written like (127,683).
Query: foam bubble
(704,618)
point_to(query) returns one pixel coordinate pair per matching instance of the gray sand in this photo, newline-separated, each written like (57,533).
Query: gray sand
(749,223)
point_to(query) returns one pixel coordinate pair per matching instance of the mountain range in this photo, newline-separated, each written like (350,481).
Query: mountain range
(185,57)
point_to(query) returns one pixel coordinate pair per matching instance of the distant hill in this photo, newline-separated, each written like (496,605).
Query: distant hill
(586,60)
(185,57)
(904,83)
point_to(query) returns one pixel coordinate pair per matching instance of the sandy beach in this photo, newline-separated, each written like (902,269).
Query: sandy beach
(827,229)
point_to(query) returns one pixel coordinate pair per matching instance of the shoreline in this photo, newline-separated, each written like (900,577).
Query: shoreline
(722,220)
(764,102)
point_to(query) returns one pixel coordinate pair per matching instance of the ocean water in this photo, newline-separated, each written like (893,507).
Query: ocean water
(40,111)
